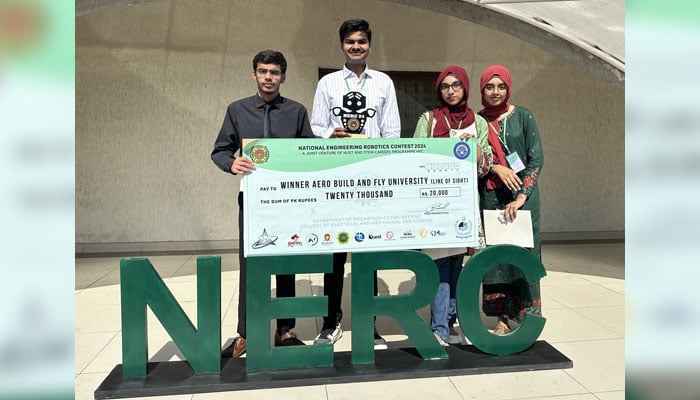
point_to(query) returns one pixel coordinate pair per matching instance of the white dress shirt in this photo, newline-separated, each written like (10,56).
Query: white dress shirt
(380,95)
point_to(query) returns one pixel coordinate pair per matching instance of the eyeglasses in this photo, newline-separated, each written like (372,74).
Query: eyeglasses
(491,86)
(456,85)
(273,72)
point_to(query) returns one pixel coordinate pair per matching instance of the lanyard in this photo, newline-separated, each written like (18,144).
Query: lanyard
(501,131)
(364,79)
(459,126)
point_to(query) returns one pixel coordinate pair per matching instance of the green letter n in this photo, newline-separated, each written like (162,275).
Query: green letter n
(261,308)
(141,286)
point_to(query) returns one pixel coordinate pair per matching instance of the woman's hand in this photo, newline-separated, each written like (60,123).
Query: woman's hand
(512,208)
(507,176)
(466,135)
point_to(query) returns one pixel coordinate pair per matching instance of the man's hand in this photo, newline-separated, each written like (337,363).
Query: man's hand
(339,133)
(242,165)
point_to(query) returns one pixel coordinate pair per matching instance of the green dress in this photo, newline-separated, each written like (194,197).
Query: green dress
(505,290)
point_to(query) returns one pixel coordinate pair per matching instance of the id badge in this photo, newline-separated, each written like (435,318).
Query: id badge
(516,164)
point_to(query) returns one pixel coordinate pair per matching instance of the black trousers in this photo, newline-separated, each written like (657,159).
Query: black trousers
(285,283)
(333,288)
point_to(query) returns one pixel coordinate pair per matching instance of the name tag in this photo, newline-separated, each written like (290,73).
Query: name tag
(516,164)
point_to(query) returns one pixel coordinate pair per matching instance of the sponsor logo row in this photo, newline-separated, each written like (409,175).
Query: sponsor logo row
(345,237)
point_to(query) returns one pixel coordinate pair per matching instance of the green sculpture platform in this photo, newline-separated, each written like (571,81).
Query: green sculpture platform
(177,377)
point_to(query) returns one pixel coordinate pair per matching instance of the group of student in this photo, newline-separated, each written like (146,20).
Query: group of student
(509,160)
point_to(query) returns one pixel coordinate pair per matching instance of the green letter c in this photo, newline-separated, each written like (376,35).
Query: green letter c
(468,300)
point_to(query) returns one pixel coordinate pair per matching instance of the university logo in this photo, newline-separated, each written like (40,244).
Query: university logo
(259,154)
(463,228)
(461,150)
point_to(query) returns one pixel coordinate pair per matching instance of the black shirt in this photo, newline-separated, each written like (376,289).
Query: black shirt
(244,120)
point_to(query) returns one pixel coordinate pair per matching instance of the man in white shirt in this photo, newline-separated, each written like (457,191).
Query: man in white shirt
(354,100)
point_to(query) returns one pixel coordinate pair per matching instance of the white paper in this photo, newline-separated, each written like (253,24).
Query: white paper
(518,232)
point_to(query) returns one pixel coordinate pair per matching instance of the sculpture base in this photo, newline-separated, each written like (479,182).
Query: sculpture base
(176,377)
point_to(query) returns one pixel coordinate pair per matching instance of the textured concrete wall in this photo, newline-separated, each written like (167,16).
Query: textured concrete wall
(153,82)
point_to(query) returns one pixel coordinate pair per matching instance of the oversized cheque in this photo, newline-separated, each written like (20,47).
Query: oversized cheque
(358,195)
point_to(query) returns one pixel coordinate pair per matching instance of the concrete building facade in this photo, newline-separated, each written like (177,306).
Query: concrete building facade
(153,81)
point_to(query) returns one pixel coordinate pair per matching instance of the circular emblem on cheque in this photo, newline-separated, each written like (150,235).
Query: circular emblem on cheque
(463,226)
(312,239)
(259,154)
(461,150)
(343,237)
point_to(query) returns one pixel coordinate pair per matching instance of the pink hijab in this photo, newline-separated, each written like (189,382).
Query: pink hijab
(491,114)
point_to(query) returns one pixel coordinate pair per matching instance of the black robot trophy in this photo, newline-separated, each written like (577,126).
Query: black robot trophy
(354,119)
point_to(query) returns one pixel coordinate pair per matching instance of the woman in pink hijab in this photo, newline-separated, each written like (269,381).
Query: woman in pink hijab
(511,185)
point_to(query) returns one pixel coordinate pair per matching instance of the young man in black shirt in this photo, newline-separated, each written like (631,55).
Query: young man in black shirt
(266,114)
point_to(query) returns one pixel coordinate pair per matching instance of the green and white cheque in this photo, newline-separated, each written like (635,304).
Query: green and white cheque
(356,195)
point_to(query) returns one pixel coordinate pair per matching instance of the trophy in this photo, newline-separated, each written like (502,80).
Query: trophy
(351,115)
